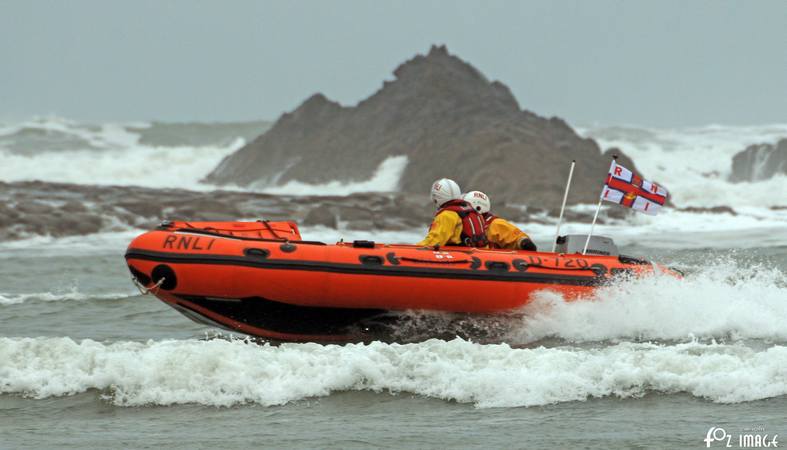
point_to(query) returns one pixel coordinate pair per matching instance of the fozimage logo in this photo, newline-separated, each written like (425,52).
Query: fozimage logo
(751,437)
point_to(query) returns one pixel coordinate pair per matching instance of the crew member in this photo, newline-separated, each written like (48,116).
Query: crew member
(499,232)
(456,222)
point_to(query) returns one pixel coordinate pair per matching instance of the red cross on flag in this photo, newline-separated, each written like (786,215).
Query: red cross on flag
(628,189)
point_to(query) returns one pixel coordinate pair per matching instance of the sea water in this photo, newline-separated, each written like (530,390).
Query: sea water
(86,361)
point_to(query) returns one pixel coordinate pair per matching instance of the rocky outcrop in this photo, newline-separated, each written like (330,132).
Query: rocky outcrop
(57,209)
(760,162)
(448,119)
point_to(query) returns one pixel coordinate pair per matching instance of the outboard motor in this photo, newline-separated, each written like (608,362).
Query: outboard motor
(575,243)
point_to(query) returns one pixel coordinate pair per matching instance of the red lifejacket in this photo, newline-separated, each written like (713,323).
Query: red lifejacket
(473,223)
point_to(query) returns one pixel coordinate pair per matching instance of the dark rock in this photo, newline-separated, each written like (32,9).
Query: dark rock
(712,210)
(8,214)
(579,217)
(618,213)
(142,208)
(448,119)
(73,207)
(34,207)
(413,209)
(76,224)
(395,224)
(321,216)
(191,214)
(209,209)
(354,213)
(760,162)
(360,225)
(109,208)
(511,213)
(6,220)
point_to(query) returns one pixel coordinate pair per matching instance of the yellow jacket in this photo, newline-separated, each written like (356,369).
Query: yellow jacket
(446,228)
(504,234)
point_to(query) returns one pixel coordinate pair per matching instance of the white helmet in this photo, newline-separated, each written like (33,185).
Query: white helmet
(478,200)
(445,190)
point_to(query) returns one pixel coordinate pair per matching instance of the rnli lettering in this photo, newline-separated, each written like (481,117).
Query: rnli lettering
(188,243)
(168,241)
(184,242)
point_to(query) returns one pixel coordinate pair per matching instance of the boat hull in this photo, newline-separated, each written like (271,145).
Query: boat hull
(294,290)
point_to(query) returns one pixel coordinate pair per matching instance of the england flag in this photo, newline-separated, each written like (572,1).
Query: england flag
(626,188)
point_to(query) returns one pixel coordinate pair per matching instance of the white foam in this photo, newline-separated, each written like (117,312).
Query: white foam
(73,294)
(750,227)
(100,136)
(385,179)
(111,154)
(694,162)
(114,242)
(160,167)
(723,299)
(683,231)
(755,227)
(223,373)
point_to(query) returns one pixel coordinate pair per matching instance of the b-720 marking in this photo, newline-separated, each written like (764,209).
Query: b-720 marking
(563,263)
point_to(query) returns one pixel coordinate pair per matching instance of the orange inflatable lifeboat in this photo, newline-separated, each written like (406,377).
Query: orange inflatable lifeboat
(260,278)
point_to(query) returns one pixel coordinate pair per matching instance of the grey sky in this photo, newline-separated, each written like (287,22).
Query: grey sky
(658,63)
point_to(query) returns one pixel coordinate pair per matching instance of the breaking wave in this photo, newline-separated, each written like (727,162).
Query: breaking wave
(385,179)
(160,167)
(225,373)
(146,154)
(700,335)
(73,294)
(725,300)
(694,162)
(110,242)
(152,155)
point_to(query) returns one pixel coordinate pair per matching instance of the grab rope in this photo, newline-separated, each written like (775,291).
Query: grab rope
(273,232)
(144,290)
